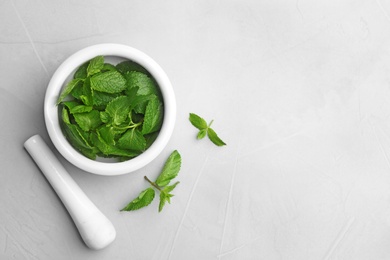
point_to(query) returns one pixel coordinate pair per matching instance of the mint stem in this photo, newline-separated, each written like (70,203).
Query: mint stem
(129,127)
(210,123)
(152,183)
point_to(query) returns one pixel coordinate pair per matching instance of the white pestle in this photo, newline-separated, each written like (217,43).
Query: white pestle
(95,228)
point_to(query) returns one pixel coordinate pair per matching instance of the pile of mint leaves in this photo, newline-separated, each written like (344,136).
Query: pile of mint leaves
(113,111)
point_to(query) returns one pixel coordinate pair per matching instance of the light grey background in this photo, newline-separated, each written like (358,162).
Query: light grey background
(299,90)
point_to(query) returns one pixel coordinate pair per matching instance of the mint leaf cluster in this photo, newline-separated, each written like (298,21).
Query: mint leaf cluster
(205,129)
(111,110)
(162,185)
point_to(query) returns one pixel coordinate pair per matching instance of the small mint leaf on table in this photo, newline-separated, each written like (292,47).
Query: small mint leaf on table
(197,121)
(205,129)
(214,137)
(168,189)
(143,200)
(170,170)
(164,197)
(202,133)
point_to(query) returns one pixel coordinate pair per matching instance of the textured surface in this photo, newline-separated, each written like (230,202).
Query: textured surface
(299,90)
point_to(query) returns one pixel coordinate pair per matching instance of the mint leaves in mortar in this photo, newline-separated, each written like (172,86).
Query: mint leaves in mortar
(108,110)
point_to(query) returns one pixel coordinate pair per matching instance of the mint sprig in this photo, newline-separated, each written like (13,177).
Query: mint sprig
(205,129)
(168,173)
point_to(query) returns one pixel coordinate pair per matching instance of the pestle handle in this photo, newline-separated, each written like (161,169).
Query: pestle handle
(95,228)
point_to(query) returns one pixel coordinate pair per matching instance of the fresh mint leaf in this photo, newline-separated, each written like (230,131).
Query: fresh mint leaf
(108,82)
(205,129)
(101,98)
(95,65)
(150,138)
(80,140)
(168,189)
(143,200)
(65,115)
(118,109)
(170,170)
(132,140)
(145,84)
(109,149)
(86,93)
(81,72)
(104,116)
(214,137)
(70,104)
(80,109)
(108,67)
(202,133)
(197,121)
(128,65)
(69,87)
(164,197)
(107,134)
(89,120)
(153,116)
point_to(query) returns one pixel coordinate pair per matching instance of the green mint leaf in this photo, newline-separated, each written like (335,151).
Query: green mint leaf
(133,140)
(108,67)
(69,87)
(70,104)
(65,115)
(150,138)
(202,133)
(164,197)
(104,116)
(214,137)
(170,170)
(79,140)
(168,189)
(89,120)
(144,199)
(127,66)
(80,109)
(197,121)
(81,72)
(145,84)
(107,134)
(86,93)
(109,149)
(153,116)
(95,65)
(108,82)
(118,109)
(102,99)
